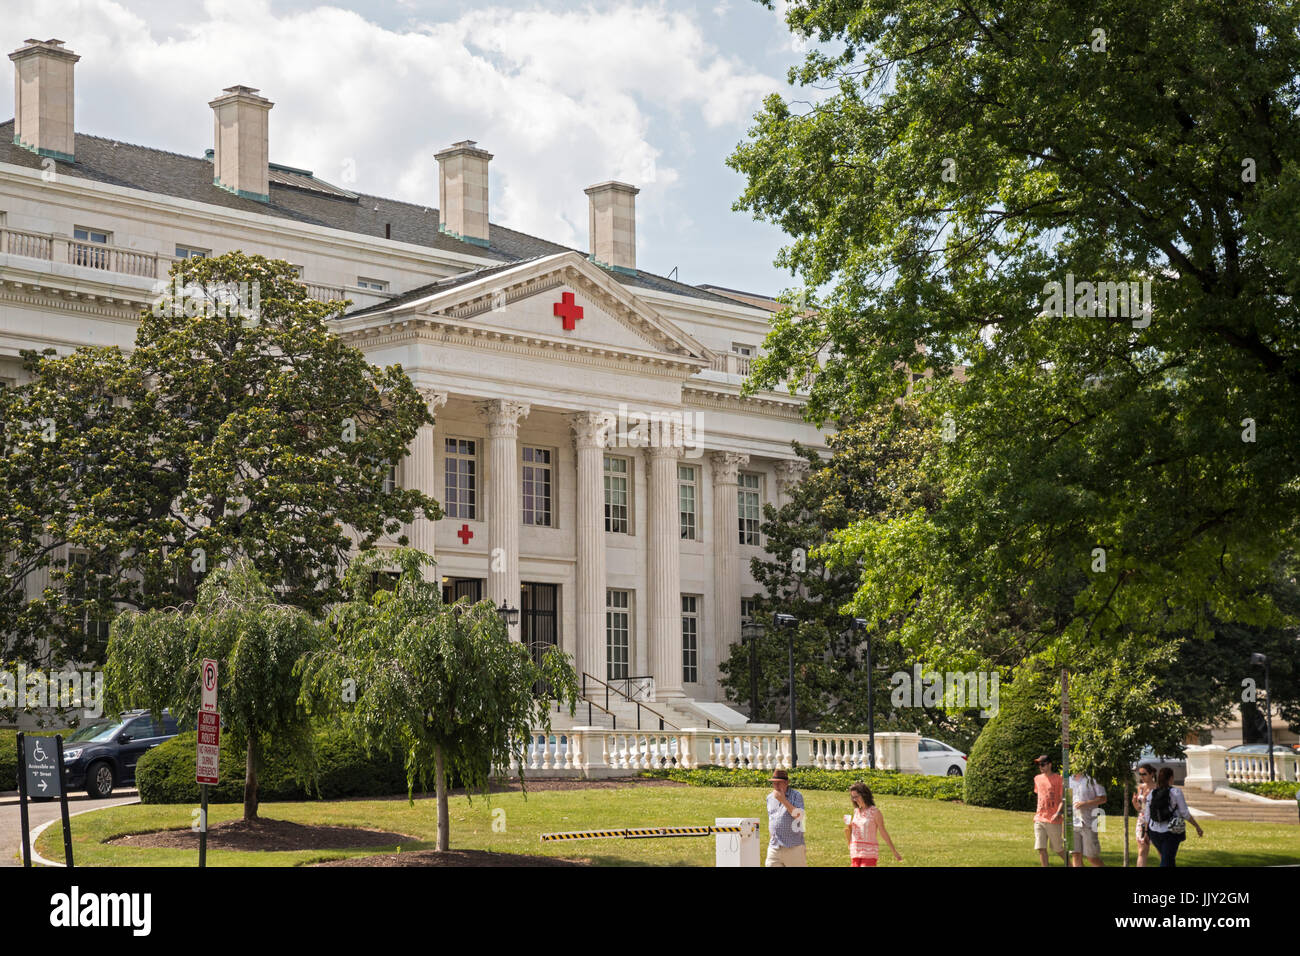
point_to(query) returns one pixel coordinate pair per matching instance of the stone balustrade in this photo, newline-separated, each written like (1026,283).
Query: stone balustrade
(1209,768)
(598,752)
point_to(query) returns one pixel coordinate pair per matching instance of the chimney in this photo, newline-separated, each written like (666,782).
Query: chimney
(43,98)
(240,154)
(613,226)
(463,191)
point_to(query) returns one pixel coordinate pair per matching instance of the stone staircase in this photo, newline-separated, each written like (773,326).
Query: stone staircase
(1220,805)
(677,714)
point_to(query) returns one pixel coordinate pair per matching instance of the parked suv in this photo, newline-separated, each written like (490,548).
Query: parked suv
(102,755)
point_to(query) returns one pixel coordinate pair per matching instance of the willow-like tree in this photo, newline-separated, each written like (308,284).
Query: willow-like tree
(441,684)
(239,424)
(155,660)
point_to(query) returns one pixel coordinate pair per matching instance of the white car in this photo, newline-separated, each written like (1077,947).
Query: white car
(939,760)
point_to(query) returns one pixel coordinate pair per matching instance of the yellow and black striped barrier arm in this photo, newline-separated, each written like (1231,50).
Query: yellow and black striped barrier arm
(638,833)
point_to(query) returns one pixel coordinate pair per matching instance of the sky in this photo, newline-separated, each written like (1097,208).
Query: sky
(563,95)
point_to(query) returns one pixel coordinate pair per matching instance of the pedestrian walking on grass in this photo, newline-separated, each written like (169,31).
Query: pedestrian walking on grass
(1088,797)
(1049,824)
(785,823)
(1146,784)
(864,826)
(1167,817)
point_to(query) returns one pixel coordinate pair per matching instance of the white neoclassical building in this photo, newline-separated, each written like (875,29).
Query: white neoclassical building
(598,465)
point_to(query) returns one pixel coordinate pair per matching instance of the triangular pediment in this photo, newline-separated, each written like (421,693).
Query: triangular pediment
(563,300)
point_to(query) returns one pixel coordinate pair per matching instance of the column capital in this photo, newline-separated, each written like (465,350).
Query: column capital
(433,398)
(789,473)
(664,451)
(502,417)
(726,464)
(591,429)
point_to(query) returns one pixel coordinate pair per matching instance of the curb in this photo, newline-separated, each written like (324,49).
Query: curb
(39,860)
(1247,797)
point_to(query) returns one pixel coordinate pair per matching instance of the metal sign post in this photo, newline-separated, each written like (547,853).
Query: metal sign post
(207,761)
(40,774)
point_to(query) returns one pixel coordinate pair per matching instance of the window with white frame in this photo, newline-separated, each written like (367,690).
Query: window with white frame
(690,638)
(89,622)
(747,610)
(390,478)
(461,469)
(84,251)
(618,499)
(378,285)
(536,486)
(190,252)
(687,502)
(749,506)
(618,633)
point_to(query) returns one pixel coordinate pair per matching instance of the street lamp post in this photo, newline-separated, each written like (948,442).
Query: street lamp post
(860,624)
(789,622)
(750,633)
(1258,658)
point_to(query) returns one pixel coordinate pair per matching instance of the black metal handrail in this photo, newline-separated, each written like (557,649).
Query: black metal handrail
(608,687)
(590,704)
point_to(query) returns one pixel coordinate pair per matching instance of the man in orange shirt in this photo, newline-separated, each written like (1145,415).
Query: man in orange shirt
(1049,824)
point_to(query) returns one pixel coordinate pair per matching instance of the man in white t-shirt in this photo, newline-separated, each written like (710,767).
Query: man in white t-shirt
(1088,796)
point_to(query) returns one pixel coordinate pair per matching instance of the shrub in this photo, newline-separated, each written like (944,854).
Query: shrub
(1276,789)
(166,773)
(1000,769)
(887,782)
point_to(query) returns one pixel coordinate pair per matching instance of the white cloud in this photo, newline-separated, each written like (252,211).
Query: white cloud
(562,98)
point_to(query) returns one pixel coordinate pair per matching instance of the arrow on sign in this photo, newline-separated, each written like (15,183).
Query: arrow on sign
(44,786)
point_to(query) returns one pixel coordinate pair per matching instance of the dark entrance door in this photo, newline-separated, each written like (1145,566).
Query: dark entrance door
(539,623)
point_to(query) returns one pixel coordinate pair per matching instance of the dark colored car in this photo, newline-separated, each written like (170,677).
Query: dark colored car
(103,754)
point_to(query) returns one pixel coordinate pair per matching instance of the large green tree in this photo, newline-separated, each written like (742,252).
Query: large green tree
(242,428)
(442,685)
(876,468)
(1109,474)
(155,661)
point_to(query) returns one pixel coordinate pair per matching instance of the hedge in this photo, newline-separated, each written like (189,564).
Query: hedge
(1276,789)
(887,782)
(1000,769)
(166,773)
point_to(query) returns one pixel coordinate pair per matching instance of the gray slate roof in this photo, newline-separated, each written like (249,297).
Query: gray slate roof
(308,201)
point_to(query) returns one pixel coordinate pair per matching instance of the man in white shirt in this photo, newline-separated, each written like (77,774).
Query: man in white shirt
(1088,796)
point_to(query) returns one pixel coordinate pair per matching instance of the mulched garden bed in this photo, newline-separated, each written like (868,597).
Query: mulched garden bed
(452,858)
(266,835)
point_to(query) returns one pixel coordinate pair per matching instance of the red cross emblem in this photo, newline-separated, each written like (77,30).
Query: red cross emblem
(568,310)
(464,534)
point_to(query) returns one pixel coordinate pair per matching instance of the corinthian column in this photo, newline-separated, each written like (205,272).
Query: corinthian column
(421,476)
(590,434)
(788,474)
(726,563)
(663,564)
(503,502)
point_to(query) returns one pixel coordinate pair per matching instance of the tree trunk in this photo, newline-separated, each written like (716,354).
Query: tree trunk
(1126,806)
(440,786)
(250,779)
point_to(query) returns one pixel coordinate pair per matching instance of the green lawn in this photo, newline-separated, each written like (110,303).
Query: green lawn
(927,832)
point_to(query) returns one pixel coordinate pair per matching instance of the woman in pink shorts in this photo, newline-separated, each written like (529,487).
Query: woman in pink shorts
(862,826)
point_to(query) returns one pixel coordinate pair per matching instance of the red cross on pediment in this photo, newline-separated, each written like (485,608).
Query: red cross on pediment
(464,534)
(568,310)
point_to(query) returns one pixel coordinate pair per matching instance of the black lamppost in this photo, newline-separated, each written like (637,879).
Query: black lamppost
(789,622)
(860,624)
(1258,658)
(508,614)
(749,634)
